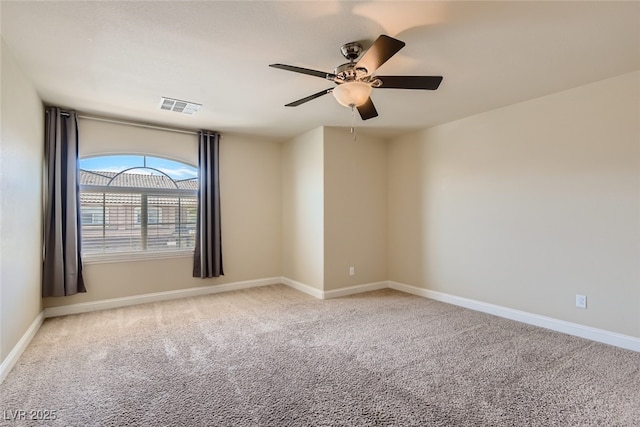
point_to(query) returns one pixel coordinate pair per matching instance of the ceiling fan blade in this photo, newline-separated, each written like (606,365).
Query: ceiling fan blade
(309,98)
(382,49)
(410,82)
(307,71)
(367,110)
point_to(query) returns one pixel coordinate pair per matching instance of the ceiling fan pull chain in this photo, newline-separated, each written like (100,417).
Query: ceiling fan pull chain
(353,118)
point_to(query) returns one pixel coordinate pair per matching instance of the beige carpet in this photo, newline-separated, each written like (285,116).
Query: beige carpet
(273,356)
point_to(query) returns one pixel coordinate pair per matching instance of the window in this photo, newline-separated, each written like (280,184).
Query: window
(154,215)
(137,204)
(93,215)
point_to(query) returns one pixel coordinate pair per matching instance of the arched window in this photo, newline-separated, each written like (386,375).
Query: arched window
(137,204)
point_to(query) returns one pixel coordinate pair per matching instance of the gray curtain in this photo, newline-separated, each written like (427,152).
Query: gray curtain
(207,260)
(62,269)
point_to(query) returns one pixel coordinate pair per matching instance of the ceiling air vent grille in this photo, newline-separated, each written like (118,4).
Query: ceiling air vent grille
(178,106)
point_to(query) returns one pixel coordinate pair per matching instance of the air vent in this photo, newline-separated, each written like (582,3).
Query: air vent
(178,106)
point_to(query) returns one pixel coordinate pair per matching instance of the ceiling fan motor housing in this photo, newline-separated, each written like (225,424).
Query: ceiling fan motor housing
(349,73)
(351,51)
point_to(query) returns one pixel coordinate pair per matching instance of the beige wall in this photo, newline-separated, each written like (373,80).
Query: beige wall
(527,206)
(524,207)
(106,138)
(21,152)
(250,191)
(303,208)
(355,209)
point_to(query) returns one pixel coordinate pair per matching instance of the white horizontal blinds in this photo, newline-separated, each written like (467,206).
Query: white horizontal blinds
(118,231)
(114,222)
(171,222)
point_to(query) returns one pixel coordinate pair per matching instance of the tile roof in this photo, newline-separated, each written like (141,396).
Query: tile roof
(134,180)
(111,199)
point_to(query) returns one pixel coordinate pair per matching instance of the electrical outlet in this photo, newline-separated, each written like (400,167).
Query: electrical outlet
(581,301)
(352,271)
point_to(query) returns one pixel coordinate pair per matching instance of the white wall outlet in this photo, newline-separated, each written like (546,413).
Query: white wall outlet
(352,271)
(581,301)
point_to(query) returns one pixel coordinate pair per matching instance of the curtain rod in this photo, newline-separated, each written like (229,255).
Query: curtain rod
(132,123)
(136,124)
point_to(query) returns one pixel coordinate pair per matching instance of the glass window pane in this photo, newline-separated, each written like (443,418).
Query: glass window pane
(175,170)
(111,163)
(138,220)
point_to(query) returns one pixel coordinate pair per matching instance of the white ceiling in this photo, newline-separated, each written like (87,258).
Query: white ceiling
(119,58)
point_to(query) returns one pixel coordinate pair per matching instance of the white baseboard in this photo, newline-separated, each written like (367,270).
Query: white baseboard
(302,287)
(18,349)
(336,293)
(594,334)
(86,307)
(575,329)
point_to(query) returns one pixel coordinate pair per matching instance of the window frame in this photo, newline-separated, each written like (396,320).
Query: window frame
(145,193)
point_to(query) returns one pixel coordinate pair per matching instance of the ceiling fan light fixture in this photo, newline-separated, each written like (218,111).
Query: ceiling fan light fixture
(352,94)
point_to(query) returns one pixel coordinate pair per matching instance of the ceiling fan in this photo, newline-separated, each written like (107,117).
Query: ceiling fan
(355,80)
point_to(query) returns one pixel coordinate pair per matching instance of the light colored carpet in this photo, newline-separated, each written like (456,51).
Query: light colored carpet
(274,356)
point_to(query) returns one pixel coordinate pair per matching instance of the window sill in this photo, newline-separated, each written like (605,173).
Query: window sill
(133,257)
